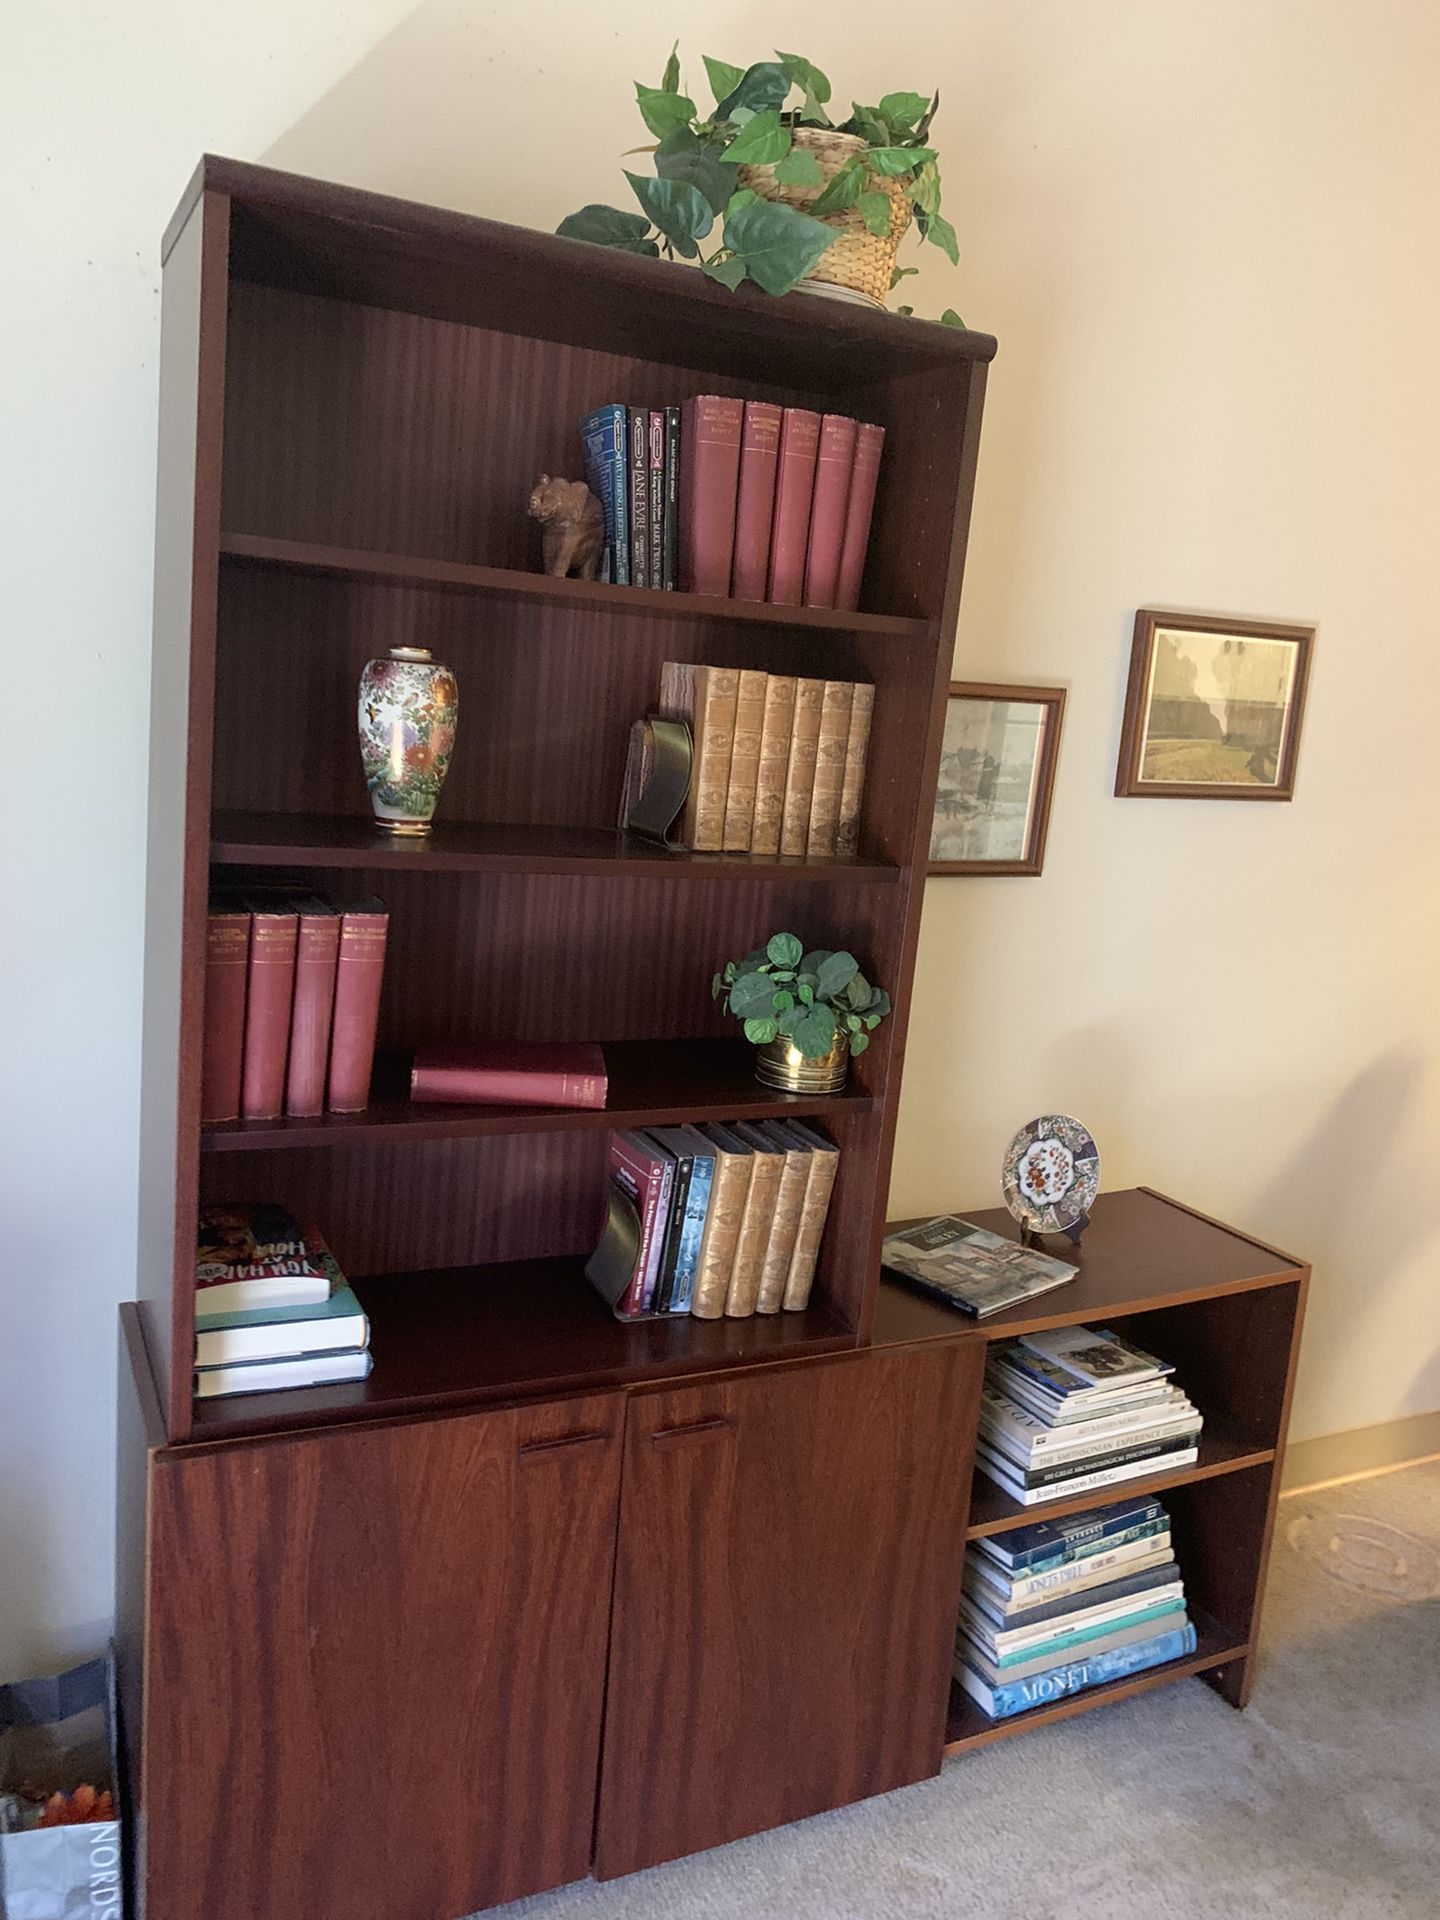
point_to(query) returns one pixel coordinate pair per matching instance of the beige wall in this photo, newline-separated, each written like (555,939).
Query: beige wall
(1205,238)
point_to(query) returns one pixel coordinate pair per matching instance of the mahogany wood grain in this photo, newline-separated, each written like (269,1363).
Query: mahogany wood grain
(140,1430)
(463,1337)
(381,1658)
(786,1582)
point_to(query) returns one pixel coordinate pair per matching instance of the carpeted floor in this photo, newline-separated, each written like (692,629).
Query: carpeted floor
(1320,1802)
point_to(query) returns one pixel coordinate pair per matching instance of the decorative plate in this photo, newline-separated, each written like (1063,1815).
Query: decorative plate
(1051,1173)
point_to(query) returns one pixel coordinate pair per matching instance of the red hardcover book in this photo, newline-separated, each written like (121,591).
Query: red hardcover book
(641,1172)
(359,970)
(222,1049)
(833,467)
(794,484)
(861,505)
(511,1074)
(755,499)
(269,985)
(317,949)
(709,474)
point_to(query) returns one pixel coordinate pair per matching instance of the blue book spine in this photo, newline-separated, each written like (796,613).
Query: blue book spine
(692,1232)
(1050,1543)
(1040,1689)
(602,434)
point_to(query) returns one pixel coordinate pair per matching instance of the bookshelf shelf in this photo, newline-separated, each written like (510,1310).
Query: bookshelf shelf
(510,583)
(966,1726)
(466,1336)
(1221,1450)
(653,1083)
(241,838)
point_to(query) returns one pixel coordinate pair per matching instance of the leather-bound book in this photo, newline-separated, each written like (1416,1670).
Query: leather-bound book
(744,761)
(705,698)
(794,484)
(852,786)
(834,465)
(829,768)
(269,985)
(785,1220)
(637,448)
(824,1165)
(222,1048)
(364,929)
(765,1171)
(510,1073)
(858,511)
(776,726)
(800,766)
(755,499)
(317,951)
(709,473)
(729,1189)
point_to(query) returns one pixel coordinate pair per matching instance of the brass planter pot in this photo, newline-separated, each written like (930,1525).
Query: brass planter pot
(782,1065)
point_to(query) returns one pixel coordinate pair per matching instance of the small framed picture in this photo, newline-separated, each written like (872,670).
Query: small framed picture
(1213,708)
(997,772)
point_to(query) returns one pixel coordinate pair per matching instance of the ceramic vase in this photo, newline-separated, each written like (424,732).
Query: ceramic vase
(409,706)
(781,1064)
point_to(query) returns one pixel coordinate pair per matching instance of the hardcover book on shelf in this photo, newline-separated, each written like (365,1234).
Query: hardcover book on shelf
(647,1174)
(777,724)
(829,769)
(1097,1361)
(740,793)
(269,987)
(336,1324)
(655,448)
(859,508)
(222,1056)
(257,1256)
(709,476)
(984,1577)
(276,1376)
(690,1145)
(603,438)
(511,1073)
(967,1267)
(1047,1544)
(1092,1481)
(1001,1701)
(670,547)
(766,1170)
(730,1188)
(834,464)
(794,488)
(852,783)
(359,972)
(1015,1429)
(317,954)
(638,450)
(789,1202)
(705,698)
(814,1209)
(800,766)
(755,499)
(663,1300)
(1024,1666)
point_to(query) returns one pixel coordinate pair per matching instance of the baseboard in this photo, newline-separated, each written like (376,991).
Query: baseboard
(1360,1450)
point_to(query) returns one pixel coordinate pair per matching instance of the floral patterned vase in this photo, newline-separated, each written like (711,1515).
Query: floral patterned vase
(409,705)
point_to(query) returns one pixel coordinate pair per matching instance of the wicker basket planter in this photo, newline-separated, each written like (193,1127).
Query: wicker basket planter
(858,264)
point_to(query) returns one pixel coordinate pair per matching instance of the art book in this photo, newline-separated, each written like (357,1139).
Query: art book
(966,1267)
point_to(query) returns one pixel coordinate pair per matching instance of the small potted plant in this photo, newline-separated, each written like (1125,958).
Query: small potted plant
(806,1012)
(765,186)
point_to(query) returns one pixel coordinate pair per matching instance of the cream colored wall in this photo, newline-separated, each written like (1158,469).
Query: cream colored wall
(1205,239)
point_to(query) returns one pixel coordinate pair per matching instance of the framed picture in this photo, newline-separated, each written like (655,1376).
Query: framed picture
(1213,708)
(997,772)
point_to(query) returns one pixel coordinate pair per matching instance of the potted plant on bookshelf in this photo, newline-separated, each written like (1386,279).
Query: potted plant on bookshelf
(807,1012)
(774,190)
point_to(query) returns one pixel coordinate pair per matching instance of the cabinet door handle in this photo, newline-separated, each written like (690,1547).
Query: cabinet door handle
(696,1431)
(542,1449)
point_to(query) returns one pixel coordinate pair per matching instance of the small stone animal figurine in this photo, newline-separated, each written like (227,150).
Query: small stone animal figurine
(572,527)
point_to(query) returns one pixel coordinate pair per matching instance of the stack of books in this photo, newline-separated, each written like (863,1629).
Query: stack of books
(272,1308)
(292,999)
(777,763)
(1068,1410)
(741,499)
(1052,1609)
(715,1221)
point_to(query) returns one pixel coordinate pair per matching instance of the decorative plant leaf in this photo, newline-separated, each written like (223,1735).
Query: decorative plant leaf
(790,1020)
(609,227)
(952,319)
(880,1005)
(750,997)
(900,111)
(742,116)
(724,78)
(799,168)
(859,1042)
(923,126)
(784,950)
(859,992)
(872,1020)
(815,1034)
(868,124)
(682,155)
(671,81)
(874,210)
(760,141)
(680,211)
(939,231)
(925,188)
(901,273)
(852,1021)
(729,272)
(812,83)
(782,1001)
(761,1032)
(661,110)
(893,161)
(806,993)
(763,85)
(778,245)
(835,974)
(814,960)
(844,189)
(742,197)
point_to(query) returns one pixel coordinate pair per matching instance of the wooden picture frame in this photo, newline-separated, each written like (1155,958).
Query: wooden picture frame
(1199,720)
(1029,856)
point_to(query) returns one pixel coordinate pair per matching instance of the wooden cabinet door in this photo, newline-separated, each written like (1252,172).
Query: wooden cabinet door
(785,1592)
(375,1666)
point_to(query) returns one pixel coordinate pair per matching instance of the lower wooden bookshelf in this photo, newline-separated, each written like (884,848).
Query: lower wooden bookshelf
(966,1726)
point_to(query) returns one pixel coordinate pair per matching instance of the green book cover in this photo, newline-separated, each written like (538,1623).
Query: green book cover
(341,1305)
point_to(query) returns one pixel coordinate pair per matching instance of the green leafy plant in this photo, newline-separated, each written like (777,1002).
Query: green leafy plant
(779,991)
(695,208)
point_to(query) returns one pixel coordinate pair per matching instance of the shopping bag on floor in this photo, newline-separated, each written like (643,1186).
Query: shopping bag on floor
(57,1735)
